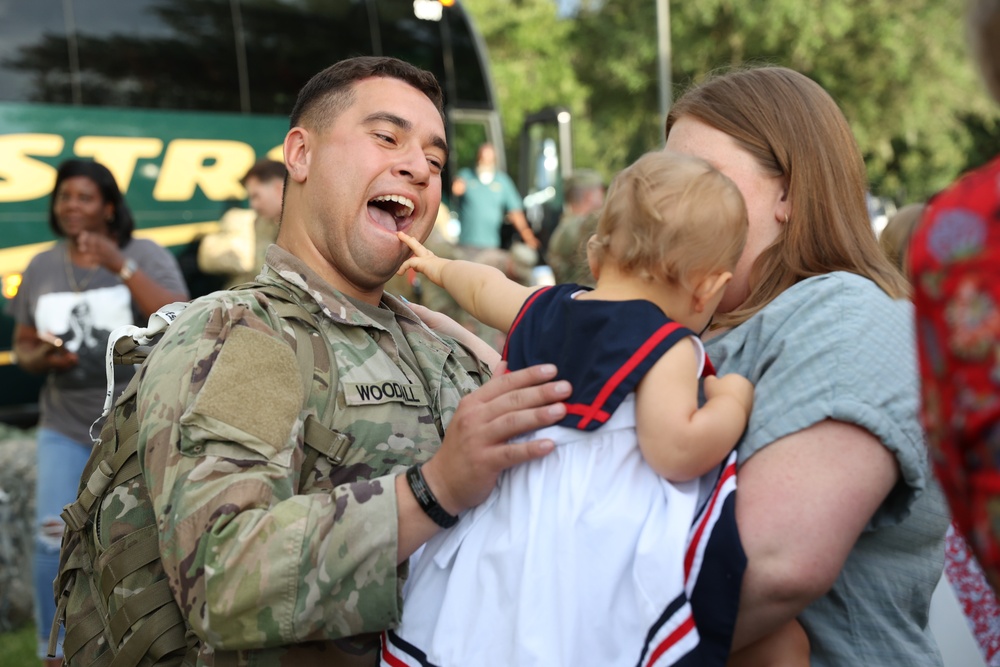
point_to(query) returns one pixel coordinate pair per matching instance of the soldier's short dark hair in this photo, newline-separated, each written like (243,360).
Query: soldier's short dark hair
(331,91)
(265,170)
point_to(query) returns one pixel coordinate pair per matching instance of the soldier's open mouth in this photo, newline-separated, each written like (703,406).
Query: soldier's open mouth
(393,212)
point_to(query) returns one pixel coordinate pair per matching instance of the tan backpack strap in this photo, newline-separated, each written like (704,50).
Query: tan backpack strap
(127,352)
(124,465)
(54,631)
(137,606)
(162,631)
(126,556)
(159,633)
(326,441)
(82,632)
(320,440)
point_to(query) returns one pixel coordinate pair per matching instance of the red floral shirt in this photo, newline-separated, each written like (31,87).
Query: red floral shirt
(954,263)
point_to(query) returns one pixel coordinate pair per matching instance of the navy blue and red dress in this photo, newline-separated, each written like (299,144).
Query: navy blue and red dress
(585,556)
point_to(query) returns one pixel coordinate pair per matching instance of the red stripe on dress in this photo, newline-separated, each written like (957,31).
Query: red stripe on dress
(673,638)
(389,657)
(520,316)
(729,472)
(581,409)
(623,372)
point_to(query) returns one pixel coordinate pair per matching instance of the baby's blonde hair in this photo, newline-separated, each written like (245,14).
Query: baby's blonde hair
(670,217)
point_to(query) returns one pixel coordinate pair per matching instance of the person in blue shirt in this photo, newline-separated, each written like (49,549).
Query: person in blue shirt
(486,197)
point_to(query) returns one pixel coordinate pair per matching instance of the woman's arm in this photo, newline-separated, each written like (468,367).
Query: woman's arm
(679,440)
(803,502)
(147,294)
(481,290)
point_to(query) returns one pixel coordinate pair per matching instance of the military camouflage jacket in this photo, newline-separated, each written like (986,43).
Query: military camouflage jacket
(269,569)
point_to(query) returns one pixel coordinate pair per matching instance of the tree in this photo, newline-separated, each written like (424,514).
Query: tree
(898,68)
(532,68)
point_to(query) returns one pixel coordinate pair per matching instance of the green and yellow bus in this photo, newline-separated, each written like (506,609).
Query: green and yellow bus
(179,98)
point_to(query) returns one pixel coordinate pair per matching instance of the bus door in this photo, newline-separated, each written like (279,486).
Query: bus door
(546,161)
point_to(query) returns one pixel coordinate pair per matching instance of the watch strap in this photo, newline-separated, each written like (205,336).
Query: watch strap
(128,269)
(425,498)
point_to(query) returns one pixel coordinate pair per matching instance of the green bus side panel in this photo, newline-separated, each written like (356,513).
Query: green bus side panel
(175,169)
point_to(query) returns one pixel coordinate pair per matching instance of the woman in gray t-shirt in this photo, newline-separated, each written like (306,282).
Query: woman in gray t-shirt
(94,279)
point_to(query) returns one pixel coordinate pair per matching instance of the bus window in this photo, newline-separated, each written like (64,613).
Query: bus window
(409,38)
(21,28)
(133,53)
(546,160)
(286,43)
(471,89)
(178,98)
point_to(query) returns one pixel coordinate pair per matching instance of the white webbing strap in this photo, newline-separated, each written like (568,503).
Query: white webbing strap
(158,322)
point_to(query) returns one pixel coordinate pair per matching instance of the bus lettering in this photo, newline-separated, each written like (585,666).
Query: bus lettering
(22,177)
(216,166)
(118,154)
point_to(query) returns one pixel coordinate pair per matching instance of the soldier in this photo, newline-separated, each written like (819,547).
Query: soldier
(269,568)
(566,254)
(237,249)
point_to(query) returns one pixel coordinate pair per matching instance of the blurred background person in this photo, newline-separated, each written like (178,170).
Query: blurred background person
(954,262)
(237,249)
(486,197)
(895,236)
(94,279)
(567,250)
(964,614)
(955,265)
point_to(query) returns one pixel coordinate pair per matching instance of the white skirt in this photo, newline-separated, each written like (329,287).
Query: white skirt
(574,559)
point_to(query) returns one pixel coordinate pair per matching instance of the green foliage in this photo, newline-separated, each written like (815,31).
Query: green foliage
(17,649)
(898,68)
(527,45)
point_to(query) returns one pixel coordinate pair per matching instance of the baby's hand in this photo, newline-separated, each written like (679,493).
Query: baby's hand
(423,261)
(733,385)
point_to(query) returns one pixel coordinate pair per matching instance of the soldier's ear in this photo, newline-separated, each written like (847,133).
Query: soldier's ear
(297,153)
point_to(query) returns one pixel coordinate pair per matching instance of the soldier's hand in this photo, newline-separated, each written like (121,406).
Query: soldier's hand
(475,449)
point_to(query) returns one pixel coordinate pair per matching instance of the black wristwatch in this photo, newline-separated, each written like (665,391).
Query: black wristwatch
(425,498)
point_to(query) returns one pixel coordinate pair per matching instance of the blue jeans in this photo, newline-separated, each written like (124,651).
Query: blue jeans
(60,464)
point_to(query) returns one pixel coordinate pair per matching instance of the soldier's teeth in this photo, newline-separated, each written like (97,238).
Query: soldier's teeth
(399,199)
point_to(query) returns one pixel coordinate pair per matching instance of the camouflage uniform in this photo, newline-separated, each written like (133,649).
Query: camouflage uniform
(567,253)
(265,574)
